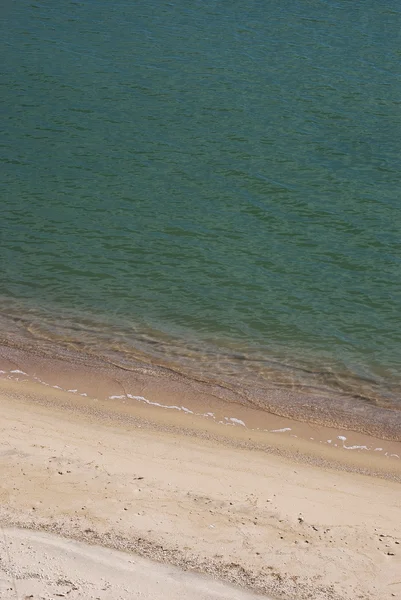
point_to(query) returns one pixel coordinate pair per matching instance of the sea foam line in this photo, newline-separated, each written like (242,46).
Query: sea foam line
(233,421)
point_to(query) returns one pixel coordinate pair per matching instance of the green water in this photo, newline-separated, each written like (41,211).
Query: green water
(214,184)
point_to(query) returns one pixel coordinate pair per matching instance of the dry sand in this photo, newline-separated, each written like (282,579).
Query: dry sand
(286,529)
(40,565)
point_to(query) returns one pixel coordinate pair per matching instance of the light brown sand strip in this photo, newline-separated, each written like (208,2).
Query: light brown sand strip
(40,565)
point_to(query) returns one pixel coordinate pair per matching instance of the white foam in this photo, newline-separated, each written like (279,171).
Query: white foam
(341,437)
(83,394)
(2,372)
(57,387)
(329,441)
(172,407)
(117,397)
(355,447)
(395,455)
(18,371)
(280,430)
(72,391)
(378,450)
(237,421)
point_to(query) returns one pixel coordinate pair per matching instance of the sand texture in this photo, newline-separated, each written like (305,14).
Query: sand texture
(40,565)
(285,529)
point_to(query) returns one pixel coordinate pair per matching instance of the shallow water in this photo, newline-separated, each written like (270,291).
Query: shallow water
(212,187)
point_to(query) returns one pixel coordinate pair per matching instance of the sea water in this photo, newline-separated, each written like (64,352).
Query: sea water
(209,185)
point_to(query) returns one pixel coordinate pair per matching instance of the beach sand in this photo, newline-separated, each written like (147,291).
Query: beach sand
(151,504)
(41,565)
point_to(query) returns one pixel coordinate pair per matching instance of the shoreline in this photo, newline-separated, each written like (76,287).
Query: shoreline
(23,349)
(277,521)
(85,376)
(250,429)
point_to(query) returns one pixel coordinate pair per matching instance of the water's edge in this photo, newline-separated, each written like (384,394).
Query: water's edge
(330,409)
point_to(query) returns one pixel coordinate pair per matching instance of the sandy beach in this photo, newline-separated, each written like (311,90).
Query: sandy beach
(98,501)
(200,382)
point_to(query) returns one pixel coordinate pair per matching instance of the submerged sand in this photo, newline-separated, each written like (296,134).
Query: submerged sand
(285,527)
(127,373)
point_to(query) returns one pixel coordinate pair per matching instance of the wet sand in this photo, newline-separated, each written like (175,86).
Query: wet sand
(127,373)
(286,520)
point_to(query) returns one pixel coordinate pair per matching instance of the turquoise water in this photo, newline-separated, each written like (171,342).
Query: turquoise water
(215,185)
